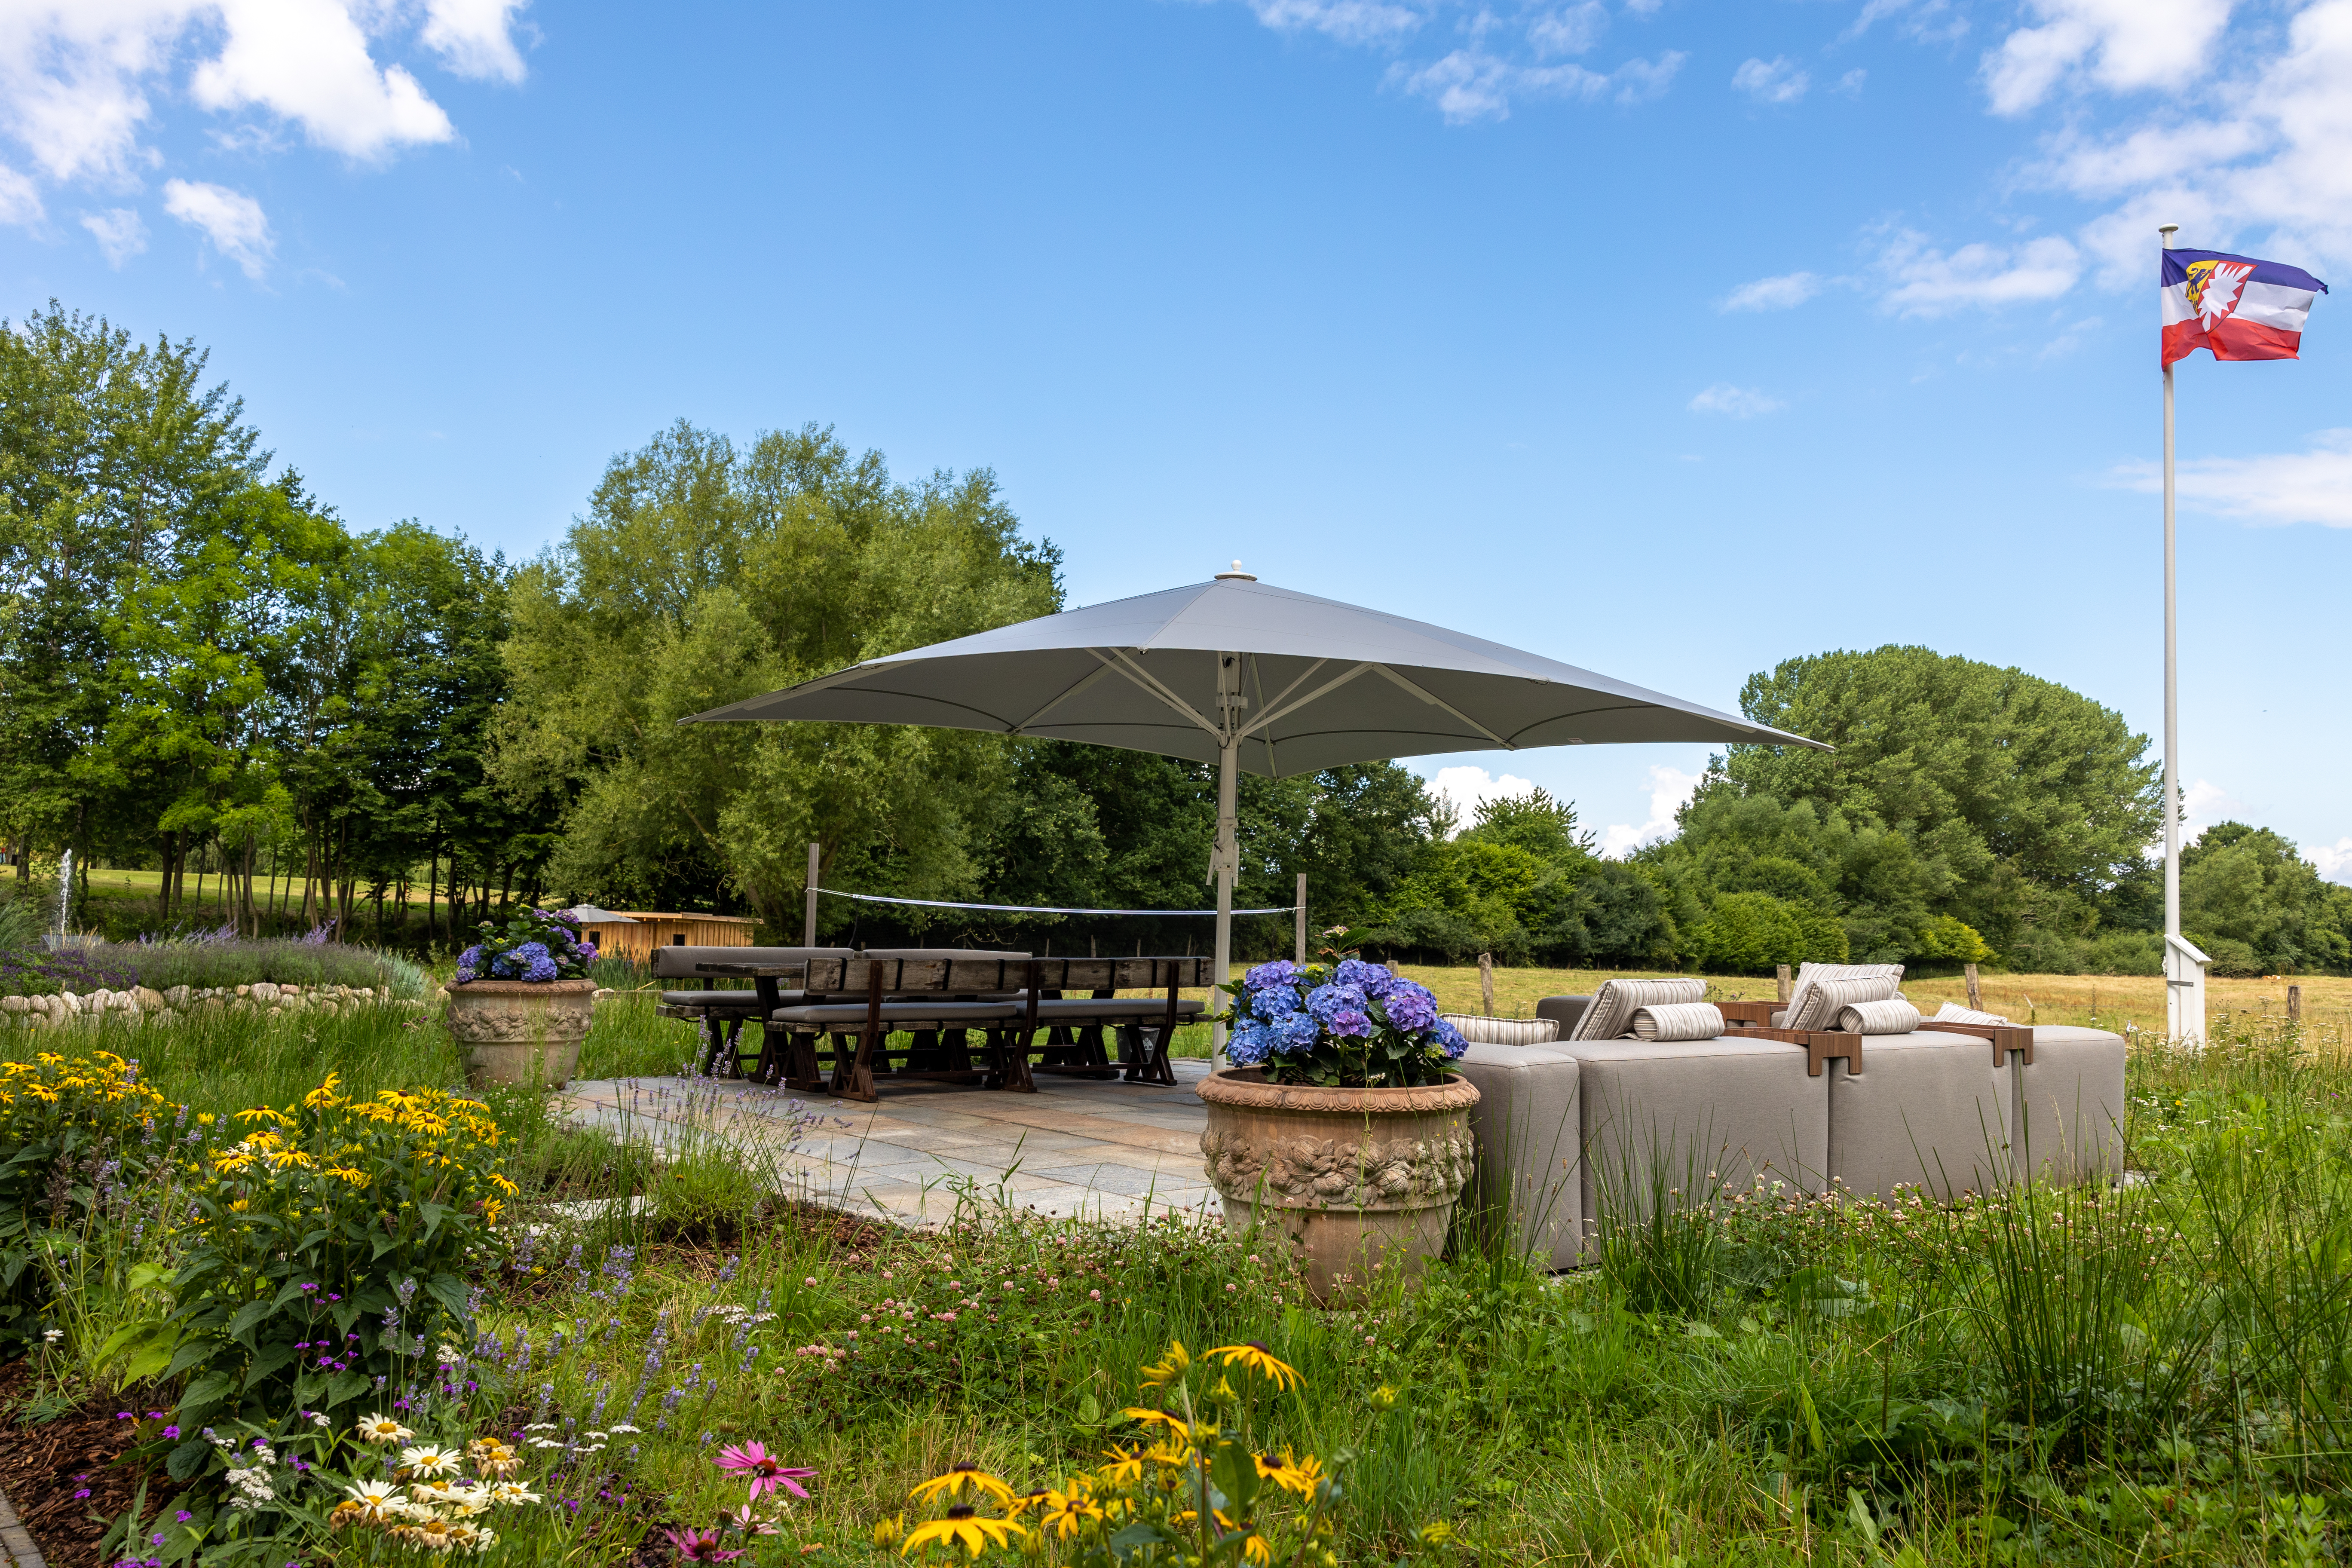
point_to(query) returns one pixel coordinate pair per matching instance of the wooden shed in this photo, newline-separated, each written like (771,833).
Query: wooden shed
(641,932)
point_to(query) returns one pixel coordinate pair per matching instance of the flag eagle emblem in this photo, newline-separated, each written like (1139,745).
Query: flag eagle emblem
(2214,287)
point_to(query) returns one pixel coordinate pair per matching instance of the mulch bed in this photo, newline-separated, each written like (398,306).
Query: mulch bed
(42,1467)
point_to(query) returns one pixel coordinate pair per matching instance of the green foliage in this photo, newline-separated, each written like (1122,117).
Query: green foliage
(1976,765)
(2247,892)
(329,1248)
(1748,933)
(71,1130)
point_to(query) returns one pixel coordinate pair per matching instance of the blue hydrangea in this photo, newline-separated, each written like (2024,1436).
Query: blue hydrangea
(1249,1046)
(528,951)
(1450,1040)
(1275,1001)
(1295,1033)
(540,969)
(1341,1009)
(464,974)
(471,958)
(1368,978)
(1409,1006)
(1266,977)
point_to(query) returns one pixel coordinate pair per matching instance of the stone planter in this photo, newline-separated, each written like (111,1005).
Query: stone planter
(520,1031)
(1350,1176)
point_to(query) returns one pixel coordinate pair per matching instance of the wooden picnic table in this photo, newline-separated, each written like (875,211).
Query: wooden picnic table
(870,999)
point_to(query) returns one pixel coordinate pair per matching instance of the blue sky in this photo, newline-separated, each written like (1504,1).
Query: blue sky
(1670,339)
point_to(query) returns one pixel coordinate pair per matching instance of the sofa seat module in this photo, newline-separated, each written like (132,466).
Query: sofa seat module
(1685,1120)
(1528,1133)
(1928,1109)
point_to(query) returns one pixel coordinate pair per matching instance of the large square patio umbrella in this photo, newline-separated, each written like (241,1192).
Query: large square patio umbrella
(1256,678)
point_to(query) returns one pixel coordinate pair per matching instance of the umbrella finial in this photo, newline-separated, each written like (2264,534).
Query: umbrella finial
(1238,572)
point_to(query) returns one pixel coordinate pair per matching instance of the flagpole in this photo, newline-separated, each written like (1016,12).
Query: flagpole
(2184,965)
(2171,672)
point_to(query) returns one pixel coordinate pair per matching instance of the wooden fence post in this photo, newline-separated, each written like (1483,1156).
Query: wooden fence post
(1486,982)
(2295,1004)
(1781,975)
(1976,992)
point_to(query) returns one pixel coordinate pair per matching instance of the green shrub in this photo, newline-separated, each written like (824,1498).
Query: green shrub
(1747,933)
(72,1130)
(327,1256)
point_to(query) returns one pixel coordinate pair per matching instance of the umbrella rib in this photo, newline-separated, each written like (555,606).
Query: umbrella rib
(1329,685)
(1117,659)
(1257,674)
(1069,692)
(1435,700)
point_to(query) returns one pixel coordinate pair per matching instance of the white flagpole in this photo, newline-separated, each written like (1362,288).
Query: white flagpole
(2184,965)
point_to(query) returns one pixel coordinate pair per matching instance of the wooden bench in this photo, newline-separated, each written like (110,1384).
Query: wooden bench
(859,1003)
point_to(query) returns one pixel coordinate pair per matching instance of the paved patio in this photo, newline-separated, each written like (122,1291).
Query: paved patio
(1076,1148)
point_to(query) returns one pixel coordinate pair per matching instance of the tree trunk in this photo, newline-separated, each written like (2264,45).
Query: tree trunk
(309,875)
(432,897)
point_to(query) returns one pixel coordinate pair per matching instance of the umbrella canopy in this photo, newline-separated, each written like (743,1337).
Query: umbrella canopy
(1254,677)
(1288,682)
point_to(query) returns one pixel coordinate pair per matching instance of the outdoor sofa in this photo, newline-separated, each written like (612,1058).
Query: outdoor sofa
(1949,1106)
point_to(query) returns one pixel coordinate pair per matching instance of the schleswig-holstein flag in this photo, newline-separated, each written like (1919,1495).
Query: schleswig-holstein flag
(2234,305)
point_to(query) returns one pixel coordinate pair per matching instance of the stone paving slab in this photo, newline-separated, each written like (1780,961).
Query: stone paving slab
(1078,1147)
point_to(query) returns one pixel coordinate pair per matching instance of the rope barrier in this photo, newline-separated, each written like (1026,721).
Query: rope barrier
(1038,910)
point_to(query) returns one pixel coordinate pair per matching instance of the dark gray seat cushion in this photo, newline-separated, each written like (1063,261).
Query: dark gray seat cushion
(677,962)
(896,1015)
(1144,1008)
(745,1003)
(1564,1011)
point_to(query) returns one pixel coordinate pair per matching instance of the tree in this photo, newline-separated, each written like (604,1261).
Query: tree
(2252,901)
(108,450)
(1978,767)
(702,574)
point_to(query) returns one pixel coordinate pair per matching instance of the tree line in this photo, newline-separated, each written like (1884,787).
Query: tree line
(204,671)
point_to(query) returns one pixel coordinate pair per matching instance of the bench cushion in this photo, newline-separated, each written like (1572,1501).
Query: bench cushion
(1144,1008)
(897,1014)
(746,1003)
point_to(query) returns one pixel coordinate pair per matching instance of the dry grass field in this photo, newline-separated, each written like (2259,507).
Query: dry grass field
(2112,1001)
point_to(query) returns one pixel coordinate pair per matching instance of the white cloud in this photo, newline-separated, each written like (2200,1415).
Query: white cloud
(1475,84)
(1775,80)
(233,221)
(1670,790)
(1463,786)
(20,202)
(1922,281)
(1738,402)
(1781,294)
(2334,860)
(1571,30)
(80,79)
(308,62)
(475,37)
(2120,45)
(2202,804)
(1349,21)
(121,233)
(2279,487)
(1851,83)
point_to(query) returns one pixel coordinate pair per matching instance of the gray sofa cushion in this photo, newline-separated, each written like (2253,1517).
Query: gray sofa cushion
(1564,1011)
(2068,1109)
(1142,1009)
(1926,1110)
(1528,1128)
(1682,1118)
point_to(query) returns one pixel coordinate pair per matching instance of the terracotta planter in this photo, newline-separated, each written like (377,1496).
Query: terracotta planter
(1351,1176)
(520,1031)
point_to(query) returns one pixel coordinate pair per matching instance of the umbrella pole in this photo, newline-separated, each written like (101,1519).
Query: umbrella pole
(1228,857)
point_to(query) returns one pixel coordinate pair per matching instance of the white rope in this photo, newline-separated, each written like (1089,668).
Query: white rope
(1040,909)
